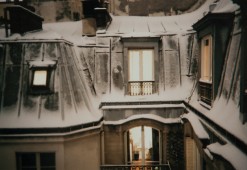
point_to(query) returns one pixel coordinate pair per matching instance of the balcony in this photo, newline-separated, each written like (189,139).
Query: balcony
(138,88)
(205,91)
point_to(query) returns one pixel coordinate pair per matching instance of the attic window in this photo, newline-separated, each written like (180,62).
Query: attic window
(41,77)
(141,72)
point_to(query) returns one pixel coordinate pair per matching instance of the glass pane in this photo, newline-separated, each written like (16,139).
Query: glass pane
(39,78)
(155,154)
(47,159)
(135,143)
(147,65)
(206,65)
(134,68)
(148,143)
(28,160)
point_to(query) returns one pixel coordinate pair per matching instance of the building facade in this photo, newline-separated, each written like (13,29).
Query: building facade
(123,91)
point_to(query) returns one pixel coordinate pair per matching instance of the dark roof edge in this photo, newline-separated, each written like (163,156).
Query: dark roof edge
(207,19)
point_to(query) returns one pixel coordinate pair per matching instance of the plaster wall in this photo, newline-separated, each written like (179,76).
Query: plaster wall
(8,150)
(118,114)
(82,153)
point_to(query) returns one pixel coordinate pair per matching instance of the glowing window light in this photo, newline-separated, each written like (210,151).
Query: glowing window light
(206,59)
(39,78)
(141,65)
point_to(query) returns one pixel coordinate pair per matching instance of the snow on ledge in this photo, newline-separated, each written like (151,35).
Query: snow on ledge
(207,152)
(144,116)
(155,106)
(232,154)
(196,125)
(46,63)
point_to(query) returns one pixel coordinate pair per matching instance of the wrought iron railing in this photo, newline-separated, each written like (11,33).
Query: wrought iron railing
(136,167)
(137,88)
(205,90)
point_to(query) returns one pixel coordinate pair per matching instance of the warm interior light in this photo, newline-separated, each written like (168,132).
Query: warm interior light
(141,142)
(141,65)
(39,78)
(147,64)
(206,66)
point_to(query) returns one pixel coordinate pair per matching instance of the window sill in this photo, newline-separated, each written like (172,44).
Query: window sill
(205,81)
(205,105)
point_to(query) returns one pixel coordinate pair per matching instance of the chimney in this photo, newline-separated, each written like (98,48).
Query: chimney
(88,20)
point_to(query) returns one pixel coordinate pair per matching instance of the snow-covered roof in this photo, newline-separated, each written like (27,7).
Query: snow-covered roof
(69,101)
(151,26)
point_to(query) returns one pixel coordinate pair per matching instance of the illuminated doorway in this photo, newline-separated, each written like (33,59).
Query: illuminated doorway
(143,146)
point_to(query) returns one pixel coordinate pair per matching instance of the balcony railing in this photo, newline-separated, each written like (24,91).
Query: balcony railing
(136,167)
(137,88)
(205,90)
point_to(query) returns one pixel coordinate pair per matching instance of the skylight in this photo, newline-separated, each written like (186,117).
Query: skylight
(40,77)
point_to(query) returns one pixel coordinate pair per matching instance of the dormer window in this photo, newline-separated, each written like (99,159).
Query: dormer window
(205,84)
(41,77)
(141,72)
(213,46)
(141,57)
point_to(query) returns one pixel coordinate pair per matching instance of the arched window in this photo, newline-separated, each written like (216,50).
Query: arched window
(143,146)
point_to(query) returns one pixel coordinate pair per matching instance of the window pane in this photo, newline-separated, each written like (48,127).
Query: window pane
(47,159)
(206,59)
(134,68)
(39,78)
(147,65)
(28,160)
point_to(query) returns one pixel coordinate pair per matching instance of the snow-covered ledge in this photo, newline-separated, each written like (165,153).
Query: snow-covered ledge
(229,152)
(196,125)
